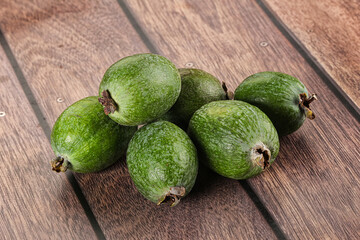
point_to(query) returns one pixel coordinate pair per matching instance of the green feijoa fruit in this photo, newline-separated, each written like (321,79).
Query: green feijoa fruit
(283,98)
(139,89)
(197,89)
(85,140)
(233,138)
(162,162)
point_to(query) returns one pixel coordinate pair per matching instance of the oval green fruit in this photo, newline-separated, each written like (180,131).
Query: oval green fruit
(197,89)
(162,162)
(85,140)
(234,138)
(283,98)
(139,89)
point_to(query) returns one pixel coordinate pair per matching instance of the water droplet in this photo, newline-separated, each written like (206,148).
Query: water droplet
(264,44)
(189,64)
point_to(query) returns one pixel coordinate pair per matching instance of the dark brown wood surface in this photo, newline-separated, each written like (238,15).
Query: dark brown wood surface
(34,203)
(64,47)
(330,31)
(312,191)
(63,50)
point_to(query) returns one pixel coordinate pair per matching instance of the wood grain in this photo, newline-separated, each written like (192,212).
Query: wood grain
(312,190)
(34,202)
(217,208)
(329,30)
(64,49)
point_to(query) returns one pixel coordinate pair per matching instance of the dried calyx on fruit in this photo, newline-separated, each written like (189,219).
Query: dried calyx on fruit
(85,140)
(283,98)
(139,89)
(162,162)
(234,138)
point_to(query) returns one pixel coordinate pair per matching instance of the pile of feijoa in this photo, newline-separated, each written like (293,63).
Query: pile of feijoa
(187,115)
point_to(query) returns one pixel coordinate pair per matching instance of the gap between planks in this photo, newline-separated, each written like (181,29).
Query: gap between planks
(47,130)
(311,60)
(249,191)
(161,34)
(209,210)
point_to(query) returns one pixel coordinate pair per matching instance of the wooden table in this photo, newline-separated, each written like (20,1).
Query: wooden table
(55,52)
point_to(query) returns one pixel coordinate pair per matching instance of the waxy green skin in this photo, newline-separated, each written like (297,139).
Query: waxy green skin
(224,132)
(144,87)
(197,89)
(160,156)
(88,139)
(277,95)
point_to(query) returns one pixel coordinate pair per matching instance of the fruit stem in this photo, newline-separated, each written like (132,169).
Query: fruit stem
(59,164)
(304,103)
(173,195)
(229,94)
(108,103)
(261,155)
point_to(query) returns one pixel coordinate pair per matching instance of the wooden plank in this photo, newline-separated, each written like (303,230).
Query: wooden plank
(63,50)
(312,190)
(34,203)
(217,208)
(329,30)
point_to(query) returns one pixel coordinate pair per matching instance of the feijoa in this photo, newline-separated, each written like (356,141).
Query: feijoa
(85,140)
(139,89)
(162,162)
(233,138)
(197,89)
(283,98)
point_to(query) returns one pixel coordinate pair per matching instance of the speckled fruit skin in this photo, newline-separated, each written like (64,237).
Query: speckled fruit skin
(144,87)
(160,156)
(87,138)
(224,132)
(197,89)
(277,95)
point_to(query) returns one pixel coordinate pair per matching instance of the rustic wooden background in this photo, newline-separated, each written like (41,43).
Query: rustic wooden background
(55,52)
